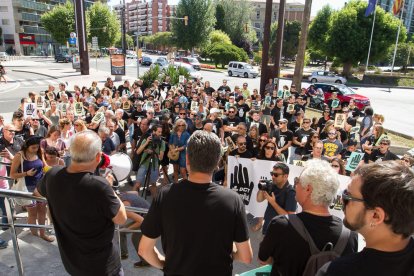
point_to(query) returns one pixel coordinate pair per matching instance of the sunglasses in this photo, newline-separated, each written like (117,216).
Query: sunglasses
(231,111)
(183,113)
(331,133)
(307,122)
(282,123)
(385,144)
(35,119)
(270,148)
(181,125)
(275,174)
(346,198)
(241,144)
(262,140)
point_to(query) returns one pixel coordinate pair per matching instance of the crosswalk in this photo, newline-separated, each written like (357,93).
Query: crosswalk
(34,82)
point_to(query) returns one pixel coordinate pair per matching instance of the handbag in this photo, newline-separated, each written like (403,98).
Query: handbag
(173,154)
(20,186)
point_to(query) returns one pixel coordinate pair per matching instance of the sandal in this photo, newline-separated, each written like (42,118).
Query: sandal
(48,238)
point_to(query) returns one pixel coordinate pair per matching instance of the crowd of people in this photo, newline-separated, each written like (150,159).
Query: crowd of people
(155,126)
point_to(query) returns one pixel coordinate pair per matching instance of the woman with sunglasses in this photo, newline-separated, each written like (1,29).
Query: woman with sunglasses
(269,152)
(338,165)
(178,142)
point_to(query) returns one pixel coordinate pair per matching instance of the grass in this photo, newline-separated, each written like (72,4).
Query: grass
(397,140)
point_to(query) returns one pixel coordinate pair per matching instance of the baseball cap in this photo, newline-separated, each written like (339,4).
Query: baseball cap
(283,120)
(214,110)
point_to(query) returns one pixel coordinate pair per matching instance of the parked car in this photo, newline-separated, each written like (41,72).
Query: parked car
(344,92)
(194,74)
(190,61)
(133,56)
(162,63)
(242,69)
(146,61)
(4,56)
(63,57)
(325,76)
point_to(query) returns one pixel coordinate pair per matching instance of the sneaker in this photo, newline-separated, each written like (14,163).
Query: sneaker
(3,244)
(141,263)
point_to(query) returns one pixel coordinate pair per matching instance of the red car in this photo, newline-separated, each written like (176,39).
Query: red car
(344,94)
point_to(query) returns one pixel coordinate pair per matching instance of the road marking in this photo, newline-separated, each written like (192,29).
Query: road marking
(38,82)
(52,82)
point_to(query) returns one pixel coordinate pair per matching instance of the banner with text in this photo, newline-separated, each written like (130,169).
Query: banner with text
(244,174)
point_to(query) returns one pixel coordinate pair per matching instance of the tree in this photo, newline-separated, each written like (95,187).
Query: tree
(104,25)
(224,53)
(404,56)
(60,22)
(349,33)
(218,36)
(129,42)
(318,31)
(236,15)
(220,16)
(290,39)
(201,21)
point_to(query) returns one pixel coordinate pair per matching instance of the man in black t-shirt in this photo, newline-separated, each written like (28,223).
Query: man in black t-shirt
(256,122)
(190,241)
(383,153)
(379,204)
(242,108)
(241,150)
(230,122)
(84,209)
(283,245)
(284,138)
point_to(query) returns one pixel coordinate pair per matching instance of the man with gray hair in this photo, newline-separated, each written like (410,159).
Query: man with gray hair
(288,249)
(193,219)
(84,210)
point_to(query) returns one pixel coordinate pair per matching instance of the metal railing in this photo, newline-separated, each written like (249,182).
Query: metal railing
(9,195)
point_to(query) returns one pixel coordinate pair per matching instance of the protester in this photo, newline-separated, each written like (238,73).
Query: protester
(178,142)
(286,248)
(75,196)
(206,250)
(378,204)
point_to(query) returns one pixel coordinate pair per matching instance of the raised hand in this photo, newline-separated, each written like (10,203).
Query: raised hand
(239,182)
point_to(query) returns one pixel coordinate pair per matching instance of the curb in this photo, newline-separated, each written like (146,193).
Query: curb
(406,136)
(42,74)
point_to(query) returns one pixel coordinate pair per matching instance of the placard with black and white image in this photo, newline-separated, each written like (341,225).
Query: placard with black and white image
(29,110)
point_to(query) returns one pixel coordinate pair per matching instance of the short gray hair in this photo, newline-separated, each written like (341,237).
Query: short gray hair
(85,146)
(323,179)
(105,130)
(204,151)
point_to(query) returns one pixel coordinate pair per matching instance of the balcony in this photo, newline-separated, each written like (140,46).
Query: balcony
(32,5)
(34,30)
(30,17)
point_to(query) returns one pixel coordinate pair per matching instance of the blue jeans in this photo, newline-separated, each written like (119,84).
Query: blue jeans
(3,210)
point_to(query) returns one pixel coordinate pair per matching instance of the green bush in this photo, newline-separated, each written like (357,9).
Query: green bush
(151,75)
(224,53)
(174,74)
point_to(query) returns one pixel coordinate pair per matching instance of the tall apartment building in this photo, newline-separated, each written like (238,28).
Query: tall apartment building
(293,11)
(22,30)
(148,17)
(408,13)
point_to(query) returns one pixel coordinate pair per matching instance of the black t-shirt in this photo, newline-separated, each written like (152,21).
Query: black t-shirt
(260,127)
(82,207)
(209,90)
(198,224)
(121,135)
(291,252)
(321,123)
(377,156)
(230,122)
(373,262)
(302,136)
(138,114)
(242,110)
(277,114)
(246,154)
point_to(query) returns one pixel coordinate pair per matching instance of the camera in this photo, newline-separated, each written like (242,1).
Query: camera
(266,185)
(156,141)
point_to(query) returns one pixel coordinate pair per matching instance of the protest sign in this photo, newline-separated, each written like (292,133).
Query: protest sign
(339,120)
(299,163)
(29,110)
(181,79)
(126,105)
(244,174)
(335,103)
(78,109)
(40,102)
(380,139)
(230,143)
(353,161)
(97,118)
(290,108)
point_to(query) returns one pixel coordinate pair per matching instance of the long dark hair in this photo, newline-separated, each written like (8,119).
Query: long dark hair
(262,152)
(25,147)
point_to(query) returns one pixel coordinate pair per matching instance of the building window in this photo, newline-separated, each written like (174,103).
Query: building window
(274,15)
(3,9)
(257,25)
(258,14)
(5,22)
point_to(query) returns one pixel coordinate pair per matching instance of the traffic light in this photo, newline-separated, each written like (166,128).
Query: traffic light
(186,20)
(246,27)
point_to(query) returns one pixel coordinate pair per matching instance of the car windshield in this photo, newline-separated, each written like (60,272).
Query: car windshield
(248,66)
(345,90)
(191,59)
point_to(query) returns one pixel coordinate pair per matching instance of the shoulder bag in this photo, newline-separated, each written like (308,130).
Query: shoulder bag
(173,154)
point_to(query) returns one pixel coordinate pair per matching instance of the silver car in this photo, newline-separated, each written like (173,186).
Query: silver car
(3,56)
(325,76)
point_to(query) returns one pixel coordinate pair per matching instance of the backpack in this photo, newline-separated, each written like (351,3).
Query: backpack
(319,257)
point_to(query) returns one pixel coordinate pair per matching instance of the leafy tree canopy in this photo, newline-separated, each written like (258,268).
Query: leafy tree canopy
(104,25)
(291,34)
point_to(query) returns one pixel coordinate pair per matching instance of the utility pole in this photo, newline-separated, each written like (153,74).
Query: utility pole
(123,28)
(81,34)
(279,42)
(300,58)
(265,50)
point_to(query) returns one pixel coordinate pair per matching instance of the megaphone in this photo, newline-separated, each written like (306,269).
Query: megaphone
(119,164)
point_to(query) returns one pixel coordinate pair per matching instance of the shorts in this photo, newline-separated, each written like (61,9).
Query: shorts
(142,171)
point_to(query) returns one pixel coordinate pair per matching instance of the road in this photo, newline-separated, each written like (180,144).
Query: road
(396,106)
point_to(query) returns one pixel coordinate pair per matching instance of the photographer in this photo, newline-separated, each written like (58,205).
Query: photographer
(279,194)
(152,149)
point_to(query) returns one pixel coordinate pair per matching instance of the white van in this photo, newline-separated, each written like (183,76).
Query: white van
(242,69)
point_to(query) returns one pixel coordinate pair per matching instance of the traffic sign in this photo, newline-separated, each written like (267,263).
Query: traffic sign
(95,43)
(72,39)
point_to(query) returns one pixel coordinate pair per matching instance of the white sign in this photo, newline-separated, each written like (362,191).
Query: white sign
(95,43)
(29,110)
(244,174)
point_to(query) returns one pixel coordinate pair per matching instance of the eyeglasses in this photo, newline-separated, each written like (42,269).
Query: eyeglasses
(306,122)
(35,119)
(334,166)
(262,140)
(231,111)
(331,133)
(181,125)
(183,113)
(385,144)
(270,148)
(275,174)
(346,197)
(241,144)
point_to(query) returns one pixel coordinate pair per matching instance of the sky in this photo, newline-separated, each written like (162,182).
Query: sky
(316,4)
